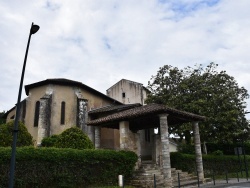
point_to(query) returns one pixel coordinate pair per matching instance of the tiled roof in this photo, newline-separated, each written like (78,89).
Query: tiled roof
(144,111)
(113,108)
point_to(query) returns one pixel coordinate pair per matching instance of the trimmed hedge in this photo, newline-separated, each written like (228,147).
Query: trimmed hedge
(227,148)
(53,167)
(211,163)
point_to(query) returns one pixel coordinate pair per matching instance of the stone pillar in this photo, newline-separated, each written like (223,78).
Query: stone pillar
(166,165)
(138,149)
(82,114)
(124,134)
(44,119)
(198,154)
(157,150)
(91,133)
(97,137)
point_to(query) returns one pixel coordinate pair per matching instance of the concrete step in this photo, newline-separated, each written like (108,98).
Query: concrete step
(144,176)
(145,183)
(147,177)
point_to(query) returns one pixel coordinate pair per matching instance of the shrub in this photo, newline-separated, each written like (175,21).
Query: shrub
(54,167)
(228,148)
(186,148)
(49,141)
(218,152)
(211,163)
(73,138)
(24,138)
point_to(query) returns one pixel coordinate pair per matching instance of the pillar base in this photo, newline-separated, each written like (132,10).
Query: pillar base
(168,182)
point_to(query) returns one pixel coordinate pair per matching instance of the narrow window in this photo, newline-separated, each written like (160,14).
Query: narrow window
(147,135)
(123,95)
(62,113)
(37,109)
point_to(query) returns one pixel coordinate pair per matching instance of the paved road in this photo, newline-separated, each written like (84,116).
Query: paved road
(232,183)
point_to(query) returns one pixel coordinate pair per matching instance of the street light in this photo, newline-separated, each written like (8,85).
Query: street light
(33,30)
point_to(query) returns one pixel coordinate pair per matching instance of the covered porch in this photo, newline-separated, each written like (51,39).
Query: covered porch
(133,120)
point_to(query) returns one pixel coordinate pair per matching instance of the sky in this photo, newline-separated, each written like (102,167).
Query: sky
(99,42)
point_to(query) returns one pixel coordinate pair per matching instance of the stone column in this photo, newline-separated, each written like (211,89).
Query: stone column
(44,119)
(166,165)
(138,149)
(198,154)
(97,137)
(157,152)
(82,114)
(91,133)
(124,134)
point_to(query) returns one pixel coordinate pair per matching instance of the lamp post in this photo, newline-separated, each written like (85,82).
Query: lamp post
(33,30)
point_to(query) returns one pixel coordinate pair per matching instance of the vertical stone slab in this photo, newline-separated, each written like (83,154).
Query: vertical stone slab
(91,133)
(157,150)
(166,165)
(82,114)
(97,137)
(130,140)
(198,154)
(138,143)
(124,135)
(44,118)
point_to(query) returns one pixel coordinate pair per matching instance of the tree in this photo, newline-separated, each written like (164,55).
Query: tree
(204,91)
(73,138)
(6,135)
(2,120)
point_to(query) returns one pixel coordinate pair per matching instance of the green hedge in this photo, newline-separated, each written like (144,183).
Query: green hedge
(211,163)
(53,167)
(227,148)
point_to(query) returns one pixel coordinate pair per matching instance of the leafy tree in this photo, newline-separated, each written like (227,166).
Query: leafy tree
(6,137)
(73,138)
(205,91)
(2,120)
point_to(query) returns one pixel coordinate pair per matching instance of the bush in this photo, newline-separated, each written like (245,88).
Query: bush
(49,141)
(217,152)
(54,167)
(218,164)
(181,161)
(73,138)
(186,148)
(227,148)
(24,138)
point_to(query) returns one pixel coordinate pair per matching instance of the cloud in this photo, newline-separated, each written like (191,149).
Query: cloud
(100,42)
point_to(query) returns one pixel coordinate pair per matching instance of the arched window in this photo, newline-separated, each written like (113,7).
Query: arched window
(63,113)
(37,109)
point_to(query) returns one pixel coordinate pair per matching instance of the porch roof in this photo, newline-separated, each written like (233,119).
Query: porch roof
(145,117)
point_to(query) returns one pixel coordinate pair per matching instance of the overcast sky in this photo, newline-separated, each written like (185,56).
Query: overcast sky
(100,42)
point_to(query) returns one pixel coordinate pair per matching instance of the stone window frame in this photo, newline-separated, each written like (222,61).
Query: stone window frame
(63,106)
(36,115)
